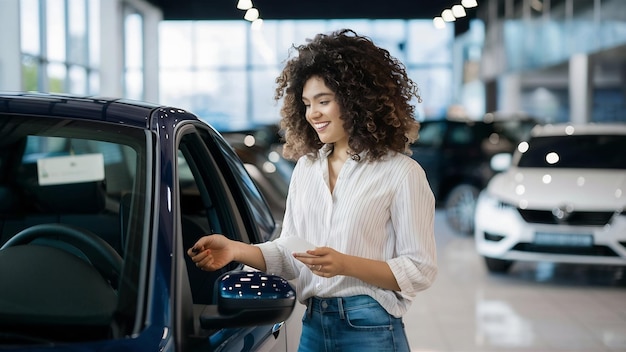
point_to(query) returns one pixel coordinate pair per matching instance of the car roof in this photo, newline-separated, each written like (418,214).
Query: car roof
(452,120)
(503,116)
(113,110)
(563,129)
(488,119)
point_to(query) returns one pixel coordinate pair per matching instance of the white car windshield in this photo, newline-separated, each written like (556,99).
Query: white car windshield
(585,151)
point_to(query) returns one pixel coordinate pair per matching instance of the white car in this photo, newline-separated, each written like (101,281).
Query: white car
(562,200)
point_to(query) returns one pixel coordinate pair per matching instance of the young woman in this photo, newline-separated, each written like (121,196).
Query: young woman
(355,195)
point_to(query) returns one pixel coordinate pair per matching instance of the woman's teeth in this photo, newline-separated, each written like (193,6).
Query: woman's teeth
(321,125)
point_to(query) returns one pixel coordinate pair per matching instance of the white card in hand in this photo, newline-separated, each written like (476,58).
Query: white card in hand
(295,244)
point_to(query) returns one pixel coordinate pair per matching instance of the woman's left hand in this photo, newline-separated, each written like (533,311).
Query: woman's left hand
(323,261)
(327,262)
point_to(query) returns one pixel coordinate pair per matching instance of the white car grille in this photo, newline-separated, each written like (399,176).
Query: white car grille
(577,218)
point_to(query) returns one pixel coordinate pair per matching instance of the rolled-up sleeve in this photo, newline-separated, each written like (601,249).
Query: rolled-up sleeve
(413,216)
(277,261)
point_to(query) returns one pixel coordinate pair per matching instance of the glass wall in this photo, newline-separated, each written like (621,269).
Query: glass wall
(533,40)
(60,45)
(133,54)
(225,72)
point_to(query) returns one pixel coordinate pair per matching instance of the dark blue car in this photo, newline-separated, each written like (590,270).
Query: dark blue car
(99,201)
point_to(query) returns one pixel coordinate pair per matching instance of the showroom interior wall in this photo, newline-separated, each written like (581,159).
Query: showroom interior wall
(564,61)
(225,71)
(515,58)
(119,51)
(46,49)
(122,73)
(10,64)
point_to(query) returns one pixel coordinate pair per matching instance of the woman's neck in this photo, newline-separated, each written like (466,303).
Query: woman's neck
(340,152)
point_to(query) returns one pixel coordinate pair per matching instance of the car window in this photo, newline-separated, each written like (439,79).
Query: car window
(206,207)
(77,192)
(253,202)
(117,159)
(431,134)
(262,157)
(586,152)
(215,195)
(460,134)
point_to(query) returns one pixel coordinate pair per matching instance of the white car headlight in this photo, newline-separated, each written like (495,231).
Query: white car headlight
(490,200)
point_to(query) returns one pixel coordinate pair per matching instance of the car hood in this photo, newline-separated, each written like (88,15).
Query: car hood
(583,189)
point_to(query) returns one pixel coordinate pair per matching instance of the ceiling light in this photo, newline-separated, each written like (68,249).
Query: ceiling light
(458,11)
(447,15)
(469,3)
(244,4)
(257,24)
(251,15)
(439,23)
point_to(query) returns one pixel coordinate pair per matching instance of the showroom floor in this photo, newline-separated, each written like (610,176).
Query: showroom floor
(536,307)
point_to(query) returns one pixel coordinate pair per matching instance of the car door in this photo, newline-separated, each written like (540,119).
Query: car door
(216,195)
(461,151)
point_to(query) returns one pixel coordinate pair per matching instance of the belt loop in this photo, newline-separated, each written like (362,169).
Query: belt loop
(309,306)
(340,306)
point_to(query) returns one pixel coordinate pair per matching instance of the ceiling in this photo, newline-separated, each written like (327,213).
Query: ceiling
(341,9)
(306,9)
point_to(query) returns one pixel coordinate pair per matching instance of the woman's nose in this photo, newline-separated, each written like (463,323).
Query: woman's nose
(312,112)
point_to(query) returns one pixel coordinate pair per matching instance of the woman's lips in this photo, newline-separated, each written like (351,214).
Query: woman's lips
(319,126)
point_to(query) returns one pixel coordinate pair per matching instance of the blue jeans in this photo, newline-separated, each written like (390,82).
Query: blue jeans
(356,323)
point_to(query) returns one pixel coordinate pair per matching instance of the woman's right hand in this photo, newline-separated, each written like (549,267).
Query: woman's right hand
(212,252)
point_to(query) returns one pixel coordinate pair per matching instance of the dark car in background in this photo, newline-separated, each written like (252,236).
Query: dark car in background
(260,149)
(99,201)
(456,155)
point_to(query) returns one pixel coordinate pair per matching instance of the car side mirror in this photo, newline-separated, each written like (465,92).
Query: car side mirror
(501,161)
(246,298)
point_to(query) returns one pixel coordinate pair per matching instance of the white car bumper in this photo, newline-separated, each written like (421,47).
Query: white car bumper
(502,233)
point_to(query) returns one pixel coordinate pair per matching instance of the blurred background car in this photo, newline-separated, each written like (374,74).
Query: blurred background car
(260,149)
(563,200)
(99,201)
(456,154)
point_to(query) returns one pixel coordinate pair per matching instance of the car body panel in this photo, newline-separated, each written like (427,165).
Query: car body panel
(165,171)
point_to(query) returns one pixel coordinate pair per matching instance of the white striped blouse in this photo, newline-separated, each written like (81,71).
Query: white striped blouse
(382,210)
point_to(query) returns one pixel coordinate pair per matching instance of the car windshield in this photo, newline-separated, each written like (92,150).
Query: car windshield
(583,151)
(514,129)
(74,187)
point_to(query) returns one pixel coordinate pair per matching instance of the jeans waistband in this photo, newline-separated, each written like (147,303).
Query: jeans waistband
(339,304)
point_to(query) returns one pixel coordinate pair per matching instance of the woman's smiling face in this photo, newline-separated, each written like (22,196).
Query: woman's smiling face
(323,111)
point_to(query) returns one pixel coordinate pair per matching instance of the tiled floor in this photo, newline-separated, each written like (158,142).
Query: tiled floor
(536,307)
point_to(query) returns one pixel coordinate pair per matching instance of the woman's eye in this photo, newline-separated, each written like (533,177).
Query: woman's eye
(325,102)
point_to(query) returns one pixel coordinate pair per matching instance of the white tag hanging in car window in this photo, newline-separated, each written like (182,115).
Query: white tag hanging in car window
(70,169)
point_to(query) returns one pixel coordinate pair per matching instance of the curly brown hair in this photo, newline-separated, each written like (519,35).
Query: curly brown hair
(371,87)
